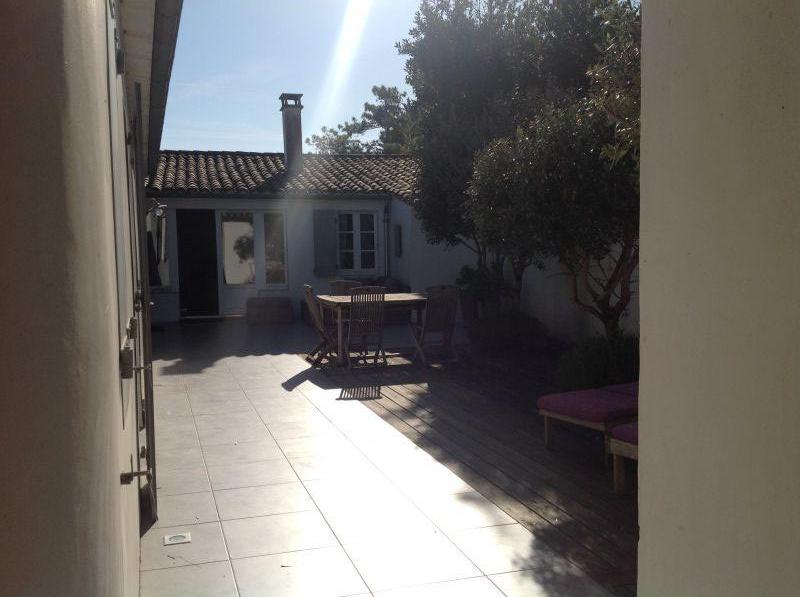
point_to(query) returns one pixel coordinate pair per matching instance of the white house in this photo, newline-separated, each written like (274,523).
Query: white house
(239,225)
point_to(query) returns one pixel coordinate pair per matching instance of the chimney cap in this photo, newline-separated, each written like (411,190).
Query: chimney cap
(290,100)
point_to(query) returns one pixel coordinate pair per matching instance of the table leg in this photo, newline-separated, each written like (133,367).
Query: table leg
(340,335)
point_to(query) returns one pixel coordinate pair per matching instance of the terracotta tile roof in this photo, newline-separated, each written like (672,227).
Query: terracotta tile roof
(243,174)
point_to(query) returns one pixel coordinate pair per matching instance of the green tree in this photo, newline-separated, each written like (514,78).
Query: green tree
(566,185)
(478,69)
(390,115)
(616,79)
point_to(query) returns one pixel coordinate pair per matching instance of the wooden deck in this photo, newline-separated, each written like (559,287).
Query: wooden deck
(494,442)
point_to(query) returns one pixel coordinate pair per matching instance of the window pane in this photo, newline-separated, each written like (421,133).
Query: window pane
(274,248)
(345,222)
(367,259)
(367,222)
(346,260)
(367,241)
(346,241)
(237,248)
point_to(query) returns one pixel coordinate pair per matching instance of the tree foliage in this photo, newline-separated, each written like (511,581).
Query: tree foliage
(477,69)
(390,115)
(565,185)
(616,81)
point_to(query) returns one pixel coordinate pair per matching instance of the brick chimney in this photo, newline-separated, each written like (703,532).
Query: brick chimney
(292,130)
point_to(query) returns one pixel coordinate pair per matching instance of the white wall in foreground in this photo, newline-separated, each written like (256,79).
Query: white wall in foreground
(68,527)
(719,470)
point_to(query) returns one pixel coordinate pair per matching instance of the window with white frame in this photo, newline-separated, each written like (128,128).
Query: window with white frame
(357,241)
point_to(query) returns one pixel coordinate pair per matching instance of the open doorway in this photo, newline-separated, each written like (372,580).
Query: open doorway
(197,262)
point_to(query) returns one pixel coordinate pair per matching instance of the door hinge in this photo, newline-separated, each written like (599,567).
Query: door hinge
(126,367)
(127,478)
(133,328)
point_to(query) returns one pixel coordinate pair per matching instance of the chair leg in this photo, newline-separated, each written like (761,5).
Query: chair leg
(317,348)
(619,474)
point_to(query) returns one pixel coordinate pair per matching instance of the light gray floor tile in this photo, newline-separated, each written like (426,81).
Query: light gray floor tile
(358,520)
(279,533)
(548,580)
(391,563)
(334,465)
(317,444)
(181,458)
(272,414)
(458,511)
(312,573)
(176,433)
(167,407)
(188,508)
(232,427)
(311,428)
(214,579)
(241,452)
(502,548)
(221,403)
(469,587)
(262,501)
(177,480)
(248,474)
(207,545)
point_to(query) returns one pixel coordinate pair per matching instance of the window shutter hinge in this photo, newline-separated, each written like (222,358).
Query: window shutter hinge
(126,367)
(127,478)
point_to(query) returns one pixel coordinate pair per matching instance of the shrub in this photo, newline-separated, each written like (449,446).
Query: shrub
(507,333)
(599,362)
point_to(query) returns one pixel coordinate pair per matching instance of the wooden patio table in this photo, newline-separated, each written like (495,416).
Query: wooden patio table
(339,304)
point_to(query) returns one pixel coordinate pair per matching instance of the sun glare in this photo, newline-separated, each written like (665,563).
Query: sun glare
(350,33)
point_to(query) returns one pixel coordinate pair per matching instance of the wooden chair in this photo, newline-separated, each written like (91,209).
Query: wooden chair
(365,326)
(343,287)
(439,318)
(327,345)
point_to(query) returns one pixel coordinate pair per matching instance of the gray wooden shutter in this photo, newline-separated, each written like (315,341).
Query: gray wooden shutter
(325,246)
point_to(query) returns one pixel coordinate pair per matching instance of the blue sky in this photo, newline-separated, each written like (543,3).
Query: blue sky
(235,57)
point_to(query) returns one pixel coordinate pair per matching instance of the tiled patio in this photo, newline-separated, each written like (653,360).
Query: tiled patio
(400,483)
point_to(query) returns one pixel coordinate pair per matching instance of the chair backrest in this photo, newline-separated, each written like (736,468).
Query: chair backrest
(343,287)
(440,309)
(366,310)
(313,309)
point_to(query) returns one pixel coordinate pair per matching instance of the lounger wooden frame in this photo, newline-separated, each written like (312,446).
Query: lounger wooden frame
(604,427)
(621,450)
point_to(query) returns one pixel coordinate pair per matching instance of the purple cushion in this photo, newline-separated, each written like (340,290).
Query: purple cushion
(628,432)
(597,406)
(632,389)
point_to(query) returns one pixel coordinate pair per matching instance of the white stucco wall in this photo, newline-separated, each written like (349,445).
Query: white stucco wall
(423,264)
(547,295)
(299,222)
(719,479)
(68,526)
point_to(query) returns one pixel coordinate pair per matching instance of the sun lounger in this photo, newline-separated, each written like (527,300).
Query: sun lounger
(597,408)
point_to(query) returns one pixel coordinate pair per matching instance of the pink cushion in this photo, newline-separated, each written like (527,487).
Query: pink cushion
(597,405)
(628,432)
(632,389)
